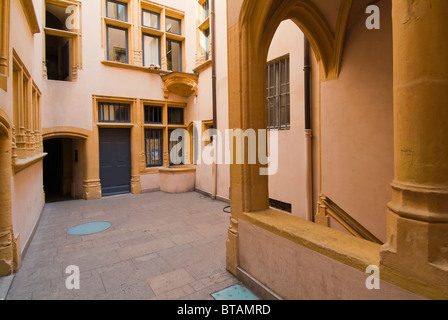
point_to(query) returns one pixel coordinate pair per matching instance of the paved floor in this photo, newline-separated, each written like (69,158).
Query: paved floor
(160,246)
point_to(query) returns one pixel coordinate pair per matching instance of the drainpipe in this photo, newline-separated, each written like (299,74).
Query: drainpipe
(308,132)
(214,103)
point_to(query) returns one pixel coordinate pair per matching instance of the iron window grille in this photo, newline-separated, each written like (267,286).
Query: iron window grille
(278,94)
(114,113)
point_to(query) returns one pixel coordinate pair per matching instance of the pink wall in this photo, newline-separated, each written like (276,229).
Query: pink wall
(289,184)
(357,125)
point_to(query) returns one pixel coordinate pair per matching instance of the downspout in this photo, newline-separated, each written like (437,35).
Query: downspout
(214,103)
(308,132)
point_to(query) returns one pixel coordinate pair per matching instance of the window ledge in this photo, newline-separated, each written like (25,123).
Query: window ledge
(178,170)
(114,125)
(133,67)
(355,252)
(22,164)
(202,66)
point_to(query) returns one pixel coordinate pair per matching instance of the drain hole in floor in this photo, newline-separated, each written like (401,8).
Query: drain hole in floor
(236,292)
(89,228)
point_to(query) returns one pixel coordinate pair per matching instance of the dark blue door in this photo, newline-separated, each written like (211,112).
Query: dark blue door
(115,161)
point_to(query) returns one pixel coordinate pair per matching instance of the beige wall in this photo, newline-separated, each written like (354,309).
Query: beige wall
(289,184)
(26,186)
(357,125)
(295,272)
(27,201)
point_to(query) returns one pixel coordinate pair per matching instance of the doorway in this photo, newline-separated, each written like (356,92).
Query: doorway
(115,161)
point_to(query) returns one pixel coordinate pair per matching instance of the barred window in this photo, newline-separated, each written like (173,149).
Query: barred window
(278,94)
(154,147)
(153,115)
(114,112)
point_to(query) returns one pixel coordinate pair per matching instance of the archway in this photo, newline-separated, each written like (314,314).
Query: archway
(64,165)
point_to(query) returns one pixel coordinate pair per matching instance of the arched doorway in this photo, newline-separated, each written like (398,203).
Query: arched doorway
(64,165)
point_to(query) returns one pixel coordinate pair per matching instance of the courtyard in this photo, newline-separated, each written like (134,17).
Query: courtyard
(159,247)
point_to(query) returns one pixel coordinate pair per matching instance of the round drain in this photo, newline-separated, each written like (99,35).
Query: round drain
(89,228)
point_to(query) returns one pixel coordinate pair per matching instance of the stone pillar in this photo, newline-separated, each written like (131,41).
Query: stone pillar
(136,147)
(417,223)
(6,234)
(92,182)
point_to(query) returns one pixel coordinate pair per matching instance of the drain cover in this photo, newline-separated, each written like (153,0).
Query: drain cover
(89,228)
(236,292)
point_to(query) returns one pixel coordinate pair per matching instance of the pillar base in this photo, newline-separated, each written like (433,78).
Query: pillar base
(6,253)
(418,251)
(232,248)
(136,185)
(92,190)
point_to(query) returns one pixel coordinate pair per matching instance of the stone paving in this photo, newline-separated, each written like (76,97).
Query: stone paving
(160,247)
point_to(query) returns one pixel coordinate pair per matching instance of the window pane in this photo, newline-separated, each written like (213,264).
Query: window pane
(151,19)
(278,94)
(173,25)
(153,115)
(207,44)
(176,116)
(205,6)
(151,50)
(114,112)
(116,10)
(174,55)
(154,148)
(117,45)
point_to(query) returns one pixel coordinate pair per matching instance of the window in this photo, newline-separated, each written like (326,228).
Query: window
(278,94)
(62,40)
(207,43)
(173,25)
(175,116)
(164,130)
(114,113)
(174,55)
(117,10)
(151,19)
(4,43)
(206,9)
(203,51)
(117,44)
(153,115)
(154,147)
(151,50)
(26,111)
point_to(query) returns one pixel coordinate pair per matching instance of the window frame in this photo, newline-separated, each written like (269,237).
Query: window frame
(167,16)
(158,14)
(75,50)
(278,125)
(115,104)
(127,42)
(144,34)
(161,149)
(181,54)
(125,4)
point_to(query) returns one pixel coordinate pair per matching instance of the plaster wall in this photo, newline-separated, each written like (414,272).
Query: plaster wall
(27,201)
(295,272)
(150,182)
(357,124)
(289,184)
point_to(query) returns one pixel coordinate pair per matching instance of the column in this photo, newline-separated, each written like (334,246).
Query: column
(417,217)
(91,153)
